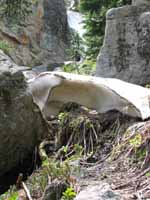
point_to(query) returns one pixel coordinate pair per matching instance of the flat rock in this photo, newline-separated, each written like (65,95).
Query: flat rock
(102,191)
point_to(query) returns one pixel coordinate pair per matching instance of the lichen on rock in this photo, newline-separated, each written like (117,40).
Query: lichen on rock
(125,52)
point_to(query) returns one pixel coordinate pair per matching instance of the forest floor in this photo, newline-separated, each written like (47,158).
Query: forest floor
(85,149)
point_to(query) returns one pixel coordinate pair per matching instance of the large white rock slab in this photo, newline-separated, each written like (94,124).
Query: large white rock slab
(50,90)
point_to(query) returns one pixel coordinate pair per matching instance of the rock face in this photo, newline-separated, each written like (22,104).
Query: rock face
(126,50)
(42,38)
(21,124)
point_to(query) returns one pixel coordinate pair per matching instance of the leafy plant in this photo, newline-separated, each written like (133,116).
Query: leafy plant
(136,141)
(11,194)
(88,67)
(69,194)
(62,117)
(147,174)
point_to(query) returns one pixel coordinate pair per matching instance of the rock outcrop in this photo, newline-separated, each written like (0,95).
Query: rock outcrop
(126,50)
(21,124)
(42,38)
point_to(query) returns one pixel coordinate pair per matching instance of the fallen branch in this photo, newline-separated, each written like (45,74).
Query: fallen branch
(26,191)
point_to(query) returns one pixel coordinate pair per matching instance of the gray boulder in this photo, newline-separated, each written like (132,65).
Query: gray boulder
(126,50)
(55,190)
(21,124)
(42,38)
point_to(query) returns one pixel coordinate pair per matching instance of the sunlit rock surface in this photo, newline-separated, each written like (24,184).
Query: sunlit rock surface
(42,38)
(125,53)
(50,90)
(101,191)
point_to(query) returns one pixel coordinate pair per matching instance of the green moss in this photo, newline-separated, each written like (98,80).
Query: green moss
(140,154)
(5,46)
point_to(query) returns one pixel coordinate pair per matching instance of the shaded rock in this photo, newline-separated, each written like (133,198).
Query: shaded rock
(98,192)
(21,124)
(42,37)
(54,190)
(139,2)
(125,53)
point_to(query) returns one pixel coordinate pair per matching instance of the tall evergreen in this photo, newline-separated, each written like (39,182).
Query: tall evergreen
(95,11)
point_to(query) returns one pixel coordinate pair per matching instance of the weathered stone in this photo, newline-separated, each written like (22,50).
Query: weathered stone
(54,190)
(125,53)
(51,90)
(139,2)
(21,124)
(101,191)
(42,38)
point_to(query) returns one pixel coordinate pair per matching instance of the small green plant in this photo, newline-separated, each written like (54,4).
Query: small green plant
(62,117)
(136,141)
(5,46)
(11,194)
(88,67)
(69,194)
(147,174)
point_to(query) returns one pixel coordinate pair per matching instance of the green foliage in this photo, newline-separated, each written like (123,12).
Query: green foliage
(147,174)
(94,21)
(86,68)
(39,180)
(76,49)
(58,169)
(5,46)
(69,194)
(140,154)
(11,194)
(62,117)
(136,141)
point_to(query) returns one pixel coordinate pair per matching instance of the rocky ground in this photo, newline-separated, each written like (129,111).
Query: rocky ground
(113,162)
